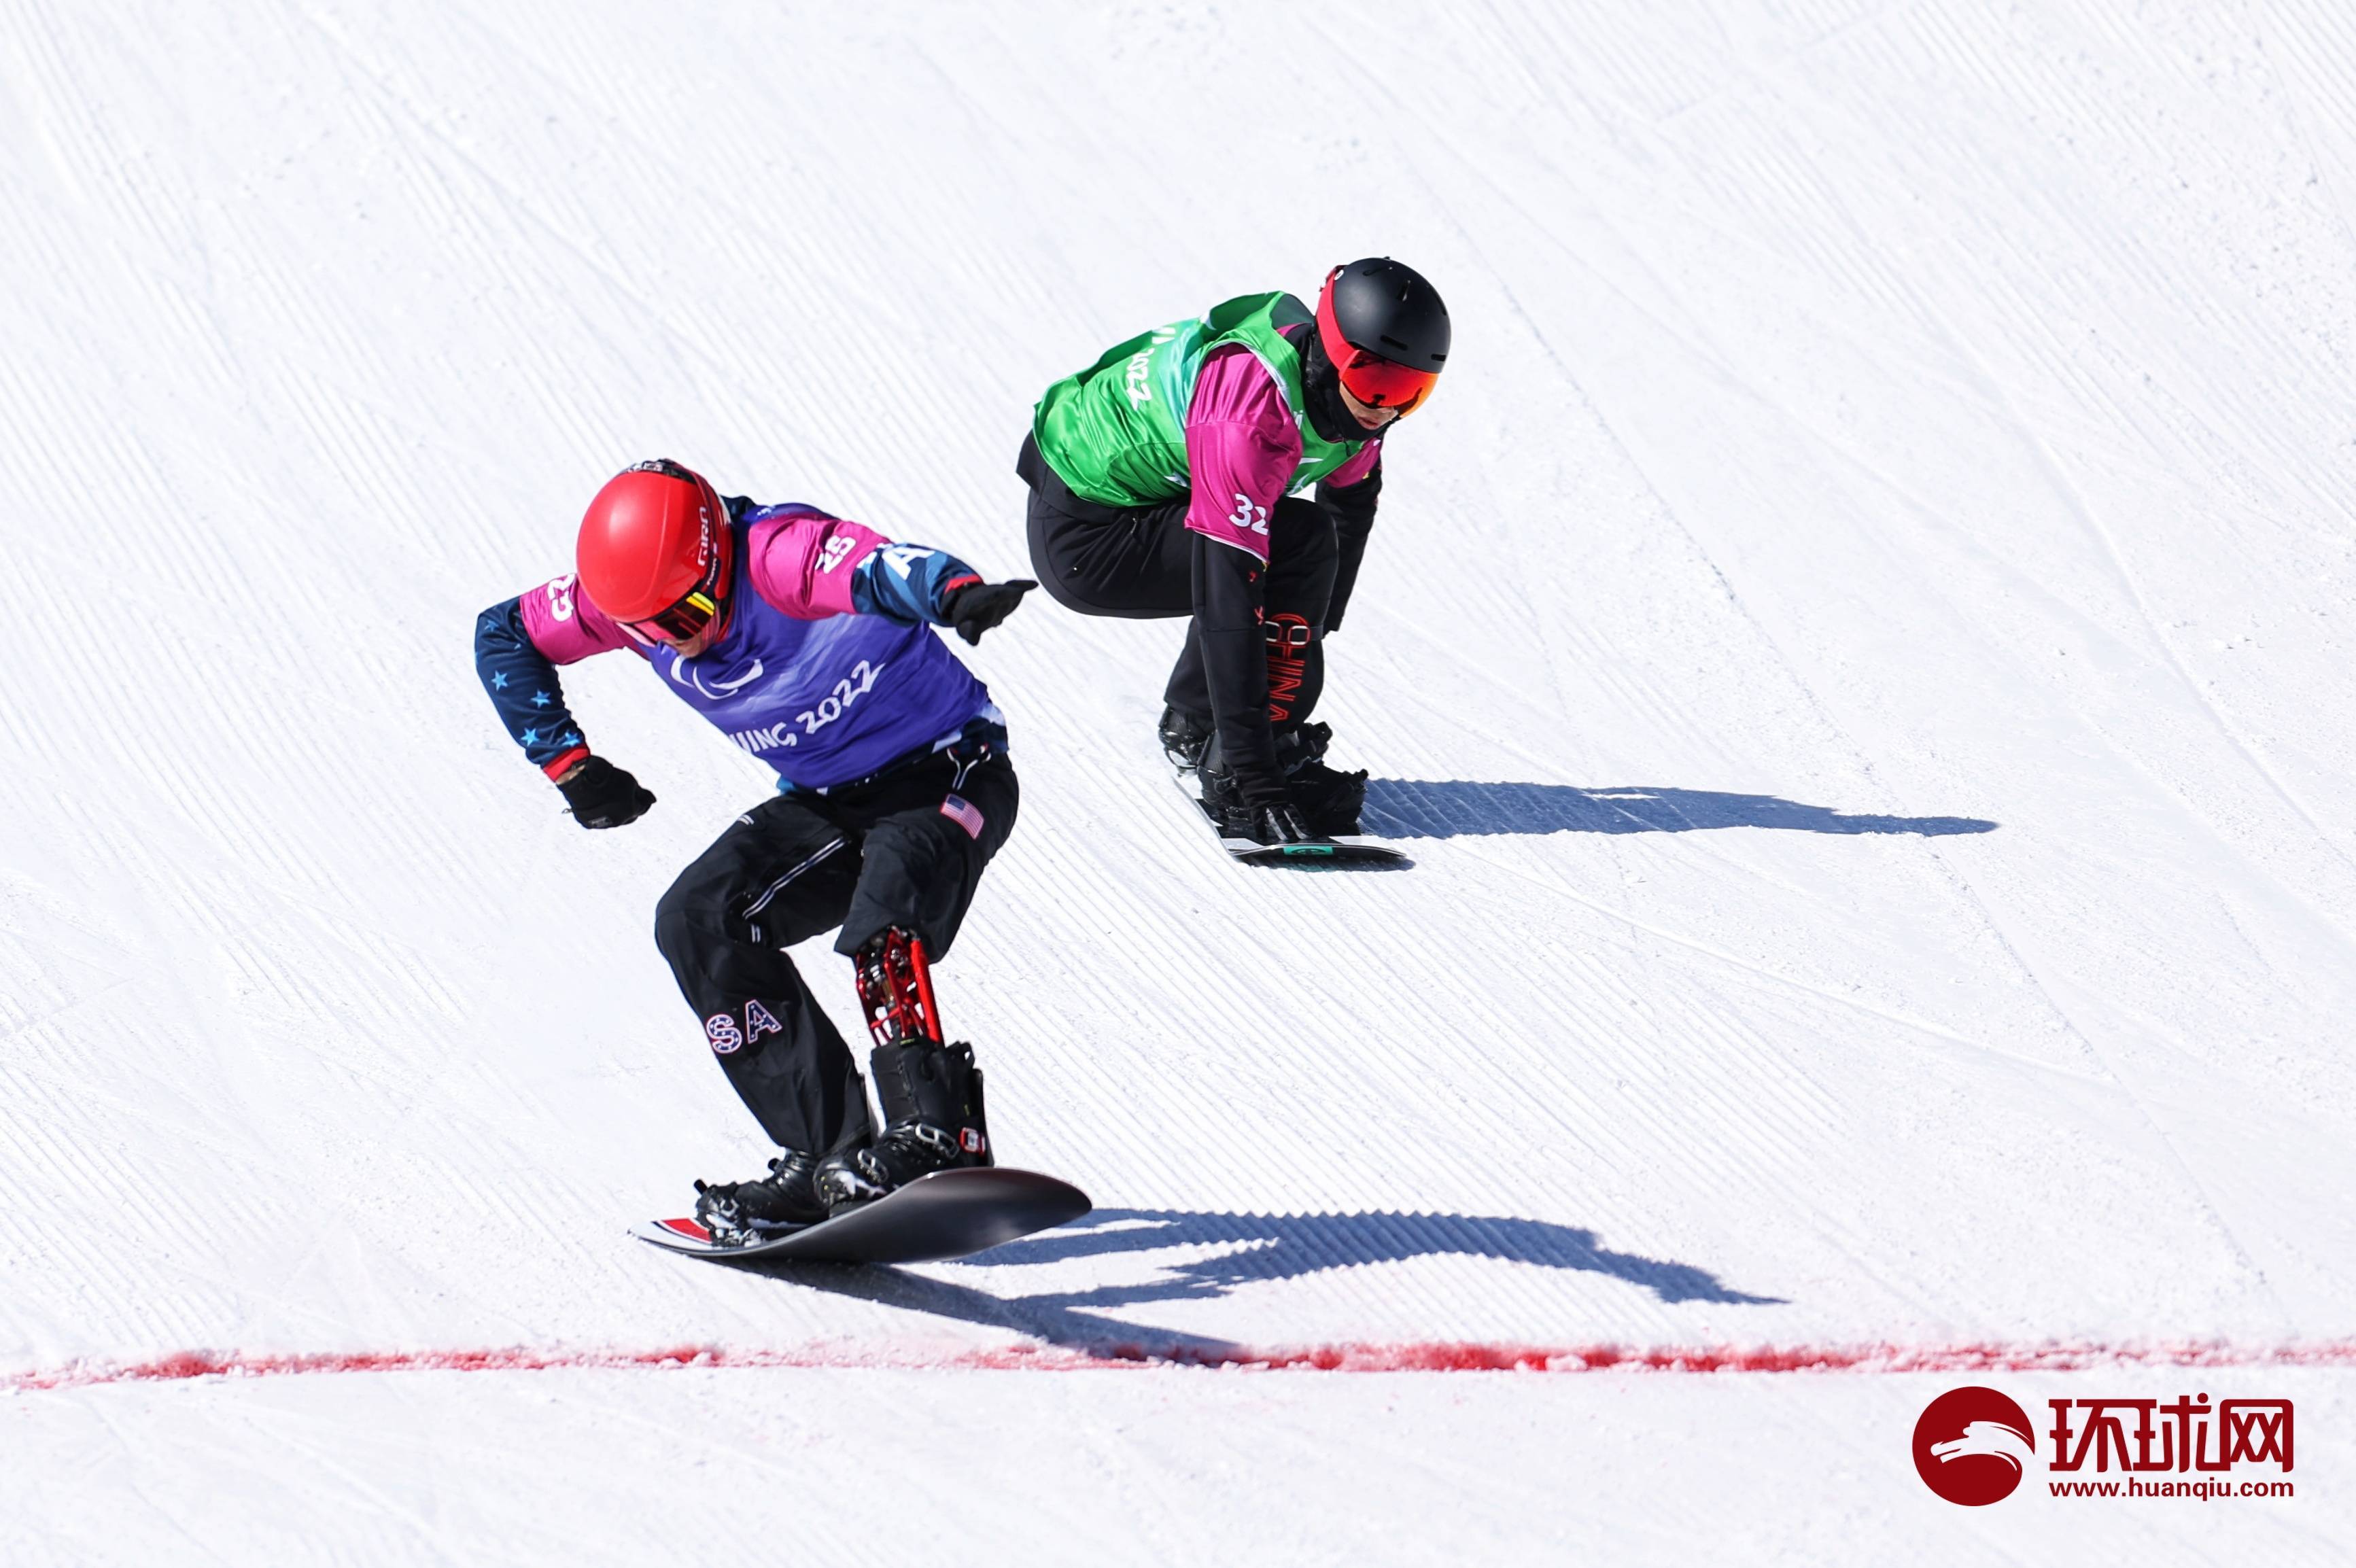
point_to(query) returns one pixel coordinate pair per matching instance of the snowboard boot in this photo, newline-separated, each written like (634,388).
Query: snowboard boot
(1183,736)
(1233,816)
(738,1212)
(1329,799)
(933,1120)
(1262,821)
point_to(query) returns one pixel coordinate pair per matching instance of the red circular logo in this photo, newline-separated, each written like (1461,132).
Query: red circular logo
(1972,1445)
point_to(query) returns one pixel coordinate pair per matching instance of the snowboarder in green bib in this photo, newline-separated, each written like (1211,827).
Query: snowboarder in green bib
(1167,479)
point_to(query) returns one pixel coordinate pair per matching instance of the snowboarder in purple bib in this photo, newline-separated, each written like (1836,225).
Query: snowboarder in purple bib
(806,640)
(1166,480)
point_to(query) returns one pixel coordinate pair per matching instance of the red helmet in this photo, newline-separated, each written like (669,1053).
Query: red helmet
(654,551)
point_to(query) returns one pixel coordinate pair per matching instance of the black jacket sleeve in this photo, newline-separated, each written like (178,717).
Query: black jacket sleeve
(1352,507)
(1230,586)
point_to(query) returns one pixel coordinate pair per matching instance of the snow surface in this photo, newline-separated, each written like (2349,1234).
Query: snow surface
(1857,649)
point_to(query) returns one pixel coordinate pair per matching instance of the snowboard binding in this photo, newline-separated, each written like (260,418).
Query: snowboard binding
(1183,736)
(1328,800)
(739,1214)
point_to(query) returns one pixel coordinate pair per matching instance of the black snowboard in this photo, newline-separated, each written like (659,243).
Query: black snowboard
(1322,852)
(948,1214)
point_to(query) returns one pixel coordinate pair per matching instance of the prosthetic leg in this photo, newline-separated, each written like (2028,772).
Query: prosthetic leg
(931,1093)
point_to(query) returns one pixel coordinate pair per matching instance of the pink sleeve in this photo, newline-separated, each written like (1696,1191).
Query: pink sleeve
(1358,467)
(567,628)
(1241,448)
(802,564)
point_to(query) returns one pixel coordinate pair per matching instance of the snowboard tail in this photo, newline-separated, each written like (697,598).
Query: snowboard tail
(946,1214)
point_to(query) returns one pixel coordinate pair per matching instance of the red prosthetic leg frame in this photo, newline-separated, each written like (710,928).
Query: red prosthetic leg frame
(917,1075)
(896,989)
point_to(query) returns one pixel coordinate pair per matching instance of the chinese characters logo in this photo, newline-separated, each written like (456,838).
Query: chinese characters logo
(1975,1446)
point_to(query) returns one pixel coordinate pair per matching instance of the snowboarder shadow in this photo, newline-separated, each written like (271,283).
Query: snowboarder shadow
(1431,808)
(1213,1253)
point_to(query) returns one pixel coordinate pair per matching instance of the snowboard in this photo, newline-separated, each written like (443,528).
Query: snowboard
(1251,852)
(948,1214)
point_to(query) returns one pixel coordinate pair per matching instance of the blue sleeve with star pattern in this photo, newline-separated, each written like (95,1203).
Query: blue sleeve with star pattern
(523,687)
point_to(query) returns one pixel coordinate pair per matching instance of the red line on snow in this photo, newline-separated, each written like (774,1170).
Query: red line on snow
(1426,1357)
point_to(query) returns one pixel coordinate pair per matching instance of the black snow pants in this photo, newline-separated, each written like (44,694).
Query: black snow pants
(1142,563)
(905,848)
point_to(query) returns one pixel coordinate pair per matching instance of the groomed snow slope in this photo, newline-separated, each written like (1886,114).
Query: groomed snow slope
(1857,650)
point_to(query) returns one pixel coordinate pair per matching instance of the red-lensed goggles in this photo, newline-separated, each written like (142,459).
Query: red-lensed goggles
(684,621)
(1368,376)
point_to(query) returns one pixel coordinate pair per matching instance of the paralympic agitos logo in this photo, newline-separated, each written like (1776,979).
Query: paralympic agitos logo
(1973,1446)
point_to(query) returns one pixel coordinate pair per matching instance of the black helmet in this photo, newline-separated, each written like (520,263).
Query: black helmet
(1386,330)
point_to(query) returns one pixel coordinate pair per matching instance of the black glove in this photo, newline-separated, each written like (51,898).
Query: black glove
(602,795)
(978,606)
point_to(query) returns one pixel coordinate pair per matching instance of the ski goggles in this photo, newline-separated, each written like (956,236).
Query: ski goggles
(684,621)
(1368,376)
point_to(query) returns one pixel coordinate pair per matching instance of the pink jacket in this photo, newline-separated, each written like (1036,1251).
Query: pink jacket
(1242,446)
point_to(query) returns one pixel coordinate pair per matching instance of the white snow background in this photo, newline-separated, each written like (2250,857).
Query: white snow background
(1859,648)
